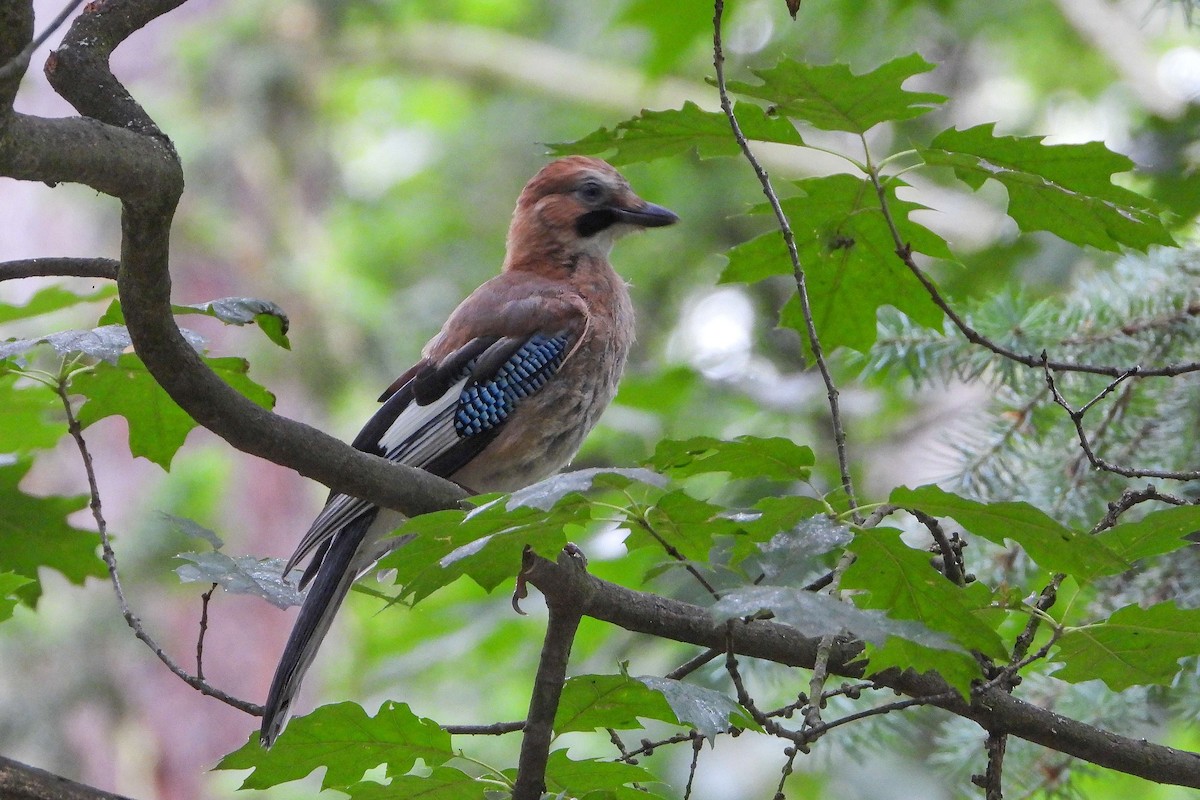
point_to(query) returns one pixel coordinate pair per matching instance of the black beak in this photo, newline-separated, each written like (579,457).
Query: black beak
(647,215)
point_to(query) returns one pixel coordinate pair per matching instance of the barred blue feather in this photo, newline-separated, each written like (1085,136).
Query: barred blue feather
(483,406)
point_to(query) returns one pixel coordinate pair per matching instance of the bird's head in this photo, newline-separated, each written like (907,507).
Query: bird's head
(576,206)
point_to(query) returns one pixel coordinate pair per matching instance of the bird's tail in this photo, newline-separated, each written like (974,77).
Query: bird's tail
(351,552)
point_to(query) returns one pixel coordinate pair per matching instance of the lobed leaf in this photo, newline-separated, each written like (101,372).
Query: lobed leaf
(609,701)
(1134,646)
(708,711)
(901,581)
(157,426)
(680,522)
(833,98)
(1065,189)
(346,742)
(661,134)
(443,783)
(34,534)
(594,778)
(817,615)
(1048,542)
(10,583)
(1155,534)
(26,423)
(776,458)
(849,258)
(241,575)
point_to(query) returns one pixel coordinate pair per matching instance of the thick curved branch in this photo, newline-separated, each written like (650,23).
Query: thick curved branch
(117,149)
(992,708)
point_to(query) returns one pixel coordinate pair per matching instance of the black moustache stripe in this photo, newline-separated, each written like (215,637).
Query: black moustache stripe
(593,222)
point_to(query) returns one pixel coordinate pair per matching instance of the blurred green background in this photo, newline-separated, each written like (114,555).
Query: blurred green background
(356,162)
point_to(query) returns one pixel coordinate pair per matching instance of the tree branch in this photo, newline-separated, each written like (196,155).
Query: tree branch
(21,782)
(547,688)
(64,267)
(991,707)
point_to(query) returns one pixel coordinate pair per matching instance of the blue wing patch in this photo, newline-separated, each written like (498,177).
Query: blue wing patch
(485,405)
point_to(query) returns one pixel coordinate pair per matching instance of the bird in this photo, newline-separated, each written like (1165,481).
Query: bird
(502,396)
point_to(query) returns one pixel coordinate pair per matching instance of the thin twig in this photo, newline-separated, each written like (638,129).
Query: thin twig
(789,239)
(1076,417)
(697,743)
(495,729)
(692,664)
(648,747)
(110,560)
(952,563)
(816,686)
(875,711)
(743,696)
(788,767)
(615,738)
(674,553)
(19,61)
(1130,498)
(204,600)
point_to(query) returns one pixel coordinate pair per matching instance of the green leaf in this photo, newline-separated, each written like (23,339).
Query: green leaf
(26,423)
(1161,532)
(191,528)
(708,711)
(52,298)
(1048,542)
(832,98)
(105,343)
(816,615)
(347,742)
(1065,189)
(270,318)
(243,574)
(680,522)
(849,258)
(775,459)
(609,701)
(10,583)
(661,134)
(546,494)
(788,537)
(34,534)
(485,544)
(157,426)
(443,783)
(1134,646)
(568,778)
(901,581)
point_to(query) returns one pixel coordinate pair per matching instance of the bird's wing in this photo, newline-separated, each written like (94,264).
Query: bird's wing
(448,409)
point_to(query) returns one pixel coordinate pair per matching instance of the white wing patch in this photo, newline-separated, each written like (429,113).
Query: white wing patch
(421,433)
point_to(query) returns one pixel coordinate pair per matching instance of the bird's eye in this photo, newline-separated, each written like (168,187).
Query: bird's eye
(591,192)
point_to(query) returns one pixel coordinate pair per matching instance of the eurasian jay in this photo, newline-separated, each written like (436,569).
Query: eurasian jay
(503,395)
